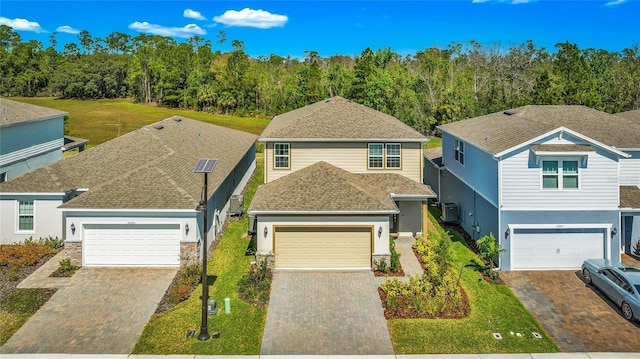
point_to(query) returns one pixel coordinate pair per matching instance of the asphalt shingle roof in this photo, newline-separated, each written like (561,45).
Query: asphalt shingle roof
(12,112)
(498,131)
(630,197)
(322,187)
(147,168)
(633,115)
(562,148)
(338,118)
(433,154)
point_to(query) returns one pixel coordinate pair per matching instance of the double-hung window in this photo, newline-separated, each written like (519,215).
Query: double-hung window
(376,155)
(25,216)
(393,155)
(458,153)
(281,155)
(560,174)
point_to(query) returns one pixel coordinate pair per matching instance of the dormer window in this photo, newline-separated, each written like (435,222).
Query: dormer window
(458,153)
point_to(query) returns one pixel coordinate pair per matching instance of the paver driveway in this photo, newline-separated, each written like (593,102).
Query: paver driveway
(97,310)
(325,313)
(576,316)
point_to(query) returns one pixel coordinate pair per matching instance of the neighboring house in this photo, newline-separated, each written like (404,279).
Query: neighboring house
(132,201)
(630,193)
(31,137)
(554,184)
(339,179)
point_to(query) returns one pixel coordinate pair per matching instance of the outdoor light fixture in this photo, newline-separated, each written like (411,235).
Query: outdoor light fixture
(204,165)
(379,231)
(507,232)
(614,231)
(266,231)
(73,228)
(186,229)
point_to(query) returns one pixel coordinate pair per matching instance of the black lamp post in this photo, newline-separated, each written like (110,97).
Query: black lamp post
(205,166)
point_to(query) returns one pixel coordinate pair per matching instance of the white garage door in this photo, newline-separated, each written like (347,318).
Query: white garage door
(555,248)
(323,247)
(131,245)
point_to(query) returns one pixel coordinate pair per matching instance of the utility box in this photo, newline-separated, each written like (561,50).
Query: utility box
(236,205)
(212,307)
(450,212)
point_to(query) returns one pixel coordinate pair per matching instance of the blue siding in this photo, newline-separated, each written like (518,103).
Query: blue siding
(430,177)
(18,137)
(480,169)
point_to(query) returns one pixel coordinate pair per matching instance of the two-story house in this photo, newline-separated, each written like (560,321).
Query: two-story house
(339,178)
(30,137)
(554,184)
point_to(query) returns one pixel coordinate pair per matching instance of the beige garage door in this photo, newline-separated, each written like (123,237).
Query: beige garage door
(323,247)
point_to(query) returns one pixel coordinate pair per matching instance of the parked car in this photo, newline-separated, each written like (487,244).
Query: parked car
(617,281)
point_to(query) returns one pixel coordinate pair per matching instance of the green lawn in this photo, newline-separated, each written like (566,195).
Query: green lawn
(434,142)
(241,330)
(101,120)
(494,308)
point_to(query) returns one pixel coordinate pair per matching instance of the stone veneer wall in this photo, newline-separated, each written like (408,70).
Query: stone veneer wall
(269,258)
(189,253)
(73,251)
(377,258)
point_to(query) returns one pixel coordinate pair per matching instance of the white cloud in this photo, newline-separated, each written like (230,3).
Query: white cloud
(251,18)
(67,29)
(186,31)
(615,2)
(192,14)
(21,24)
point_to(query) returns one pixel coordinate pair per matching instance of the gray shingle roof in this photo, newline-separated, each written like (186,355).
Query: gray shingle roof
(338,118)
(146,168)
(498,131)
(12,112)
(633,115)
(433,154)
(322,187)
(630,197)
(562,148)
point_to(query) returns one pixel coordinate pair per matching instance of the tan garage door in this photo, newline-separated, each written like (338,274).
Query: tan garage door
(323,247)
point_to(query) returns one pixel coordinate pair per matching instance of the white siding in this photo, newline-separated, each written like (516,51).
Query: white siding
(351,157)
(522,186)
(47,218)
(380,243)
(630,169)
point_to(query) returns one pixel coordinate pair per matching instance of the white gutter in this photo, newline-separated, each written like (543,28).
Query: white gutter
(130,210)
(413,196)
(284,139)
(32,193)
(386,212)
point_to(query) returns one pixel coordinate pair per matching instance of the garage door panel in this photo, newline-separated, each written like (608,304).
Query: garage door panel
(131,245)
(323,247)
(555,248)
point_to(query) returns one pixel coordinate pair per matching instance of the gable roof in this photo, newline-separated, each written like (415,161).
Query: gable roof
(14,112)
(633,115)
(324,188)
(500,131)
(338,119)
(145,169)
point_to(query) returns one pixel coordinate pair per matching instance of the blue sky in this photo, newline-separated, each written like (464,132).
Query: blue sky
(336,27)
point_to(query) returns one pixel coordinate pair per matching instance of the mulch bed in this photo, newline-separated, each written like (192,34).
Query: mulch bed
(9,282)
(399,273)
(404,313)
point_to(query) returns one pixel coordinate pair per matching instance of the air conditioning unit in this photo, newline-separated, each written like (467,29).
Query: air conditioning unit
(450,212)
(253,223)
(236,205)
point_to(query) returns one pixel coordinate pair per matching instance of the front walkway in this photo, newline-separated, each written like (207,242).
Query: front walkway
(97,310)
(325,312)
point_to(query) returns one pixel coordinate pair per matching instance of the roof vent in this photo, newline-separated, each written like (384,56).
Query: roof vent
(327,100)
(158,127)
(177,119)
(509,112)
(487,138)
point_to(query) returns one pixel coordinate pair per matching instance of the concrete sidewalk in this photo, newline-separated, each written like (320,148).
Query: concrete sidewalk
(398,356)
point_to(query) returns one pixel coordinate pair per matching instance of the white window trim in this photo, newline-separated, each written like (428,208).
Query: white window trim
(560,174)
(29,231)
(456,143)
(399,156)
(288,156)
(369,156)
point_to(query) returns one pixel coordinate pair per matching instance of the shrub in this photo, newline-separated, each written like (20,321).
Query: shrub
(21,255)
(490,250)
(65,269)
(255,286)
(51,242)
(395,257)
(179,293)
(382,265)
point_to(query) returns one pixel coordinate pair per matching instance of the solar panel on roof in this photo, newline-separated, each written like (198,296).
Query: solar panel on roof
(205,165)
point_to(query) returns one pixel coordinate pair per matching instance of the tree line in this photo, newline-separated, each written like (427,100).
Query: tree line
(425,89)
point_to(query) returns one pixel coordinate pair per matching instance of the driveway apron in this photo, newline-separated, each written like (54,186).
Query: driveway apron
(325,312)
(99,310)
(576,316)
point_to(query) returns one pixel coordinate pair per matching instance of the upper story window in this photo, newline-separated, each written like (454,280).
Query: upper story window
(376,155)
(393,155)
(281,155)
(458,151)
(3,177)
(560,174)
(25,216)
(385,155)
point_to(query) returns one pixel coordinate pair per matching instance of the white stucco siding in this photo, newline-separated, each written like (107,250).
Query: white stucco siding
(47,219)
(380,243)
(350,156)
(522,182)
(630,169)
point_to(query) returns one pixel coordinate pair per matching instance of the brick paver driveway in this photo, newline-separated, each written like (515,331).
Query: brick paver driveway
(576,316)
(325,313)
(98,310)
